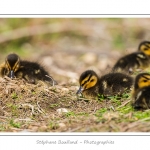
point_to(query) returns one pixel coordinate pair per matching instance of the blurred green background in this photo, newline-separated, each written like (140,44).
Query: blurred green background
(63,42)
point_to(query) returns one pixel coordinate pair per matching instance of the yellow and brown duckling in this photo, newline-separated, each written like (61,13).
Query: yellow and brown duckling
(136,60)
(30,71)
(108,85)
(141,92)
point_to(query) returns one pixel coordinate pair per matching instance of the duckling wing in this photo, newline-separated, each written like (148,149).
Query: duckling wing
(33,71)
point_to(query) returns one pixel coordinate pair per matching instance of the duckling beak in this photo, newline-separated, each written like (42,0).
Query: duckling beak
(80,90)
(11,74)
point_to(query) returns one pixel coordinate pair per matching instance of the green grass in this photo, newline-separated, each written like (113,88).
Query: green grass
(145,115)
(14,124)
(14,95)
(124,111)
(100,112)
(69,114)
(53,105)
(53,125)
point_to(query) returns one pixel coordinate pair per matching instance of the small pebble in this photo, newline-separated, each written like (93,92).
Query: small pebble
(62,125)
(66,90)
(61,111)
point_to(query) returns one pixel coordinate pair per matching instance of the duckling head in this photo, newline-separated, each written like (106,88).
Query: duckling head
(142,80)
(87,80)
(145,47)
(12,63)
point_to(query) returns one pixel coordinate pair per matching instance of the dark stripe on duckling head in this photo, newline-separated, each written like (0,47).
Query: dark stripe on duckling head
(84,81)
(12,62)
(142,80)
(88,79)
(144,43)
(145,47)
(86,74)
(88,82)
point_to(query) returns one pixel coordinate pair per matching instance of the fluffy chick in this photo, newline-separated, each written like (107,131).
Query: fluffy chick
(136,60)
(141,92)
(30,71)
(108,85)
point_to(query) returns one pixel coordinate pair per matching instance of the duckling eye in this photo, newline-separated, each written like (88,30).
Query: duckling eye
(92,80)
(145,49)
(144,80)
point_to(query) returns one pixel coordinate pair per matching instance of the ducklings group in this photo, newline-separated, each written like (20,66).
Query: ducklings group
(116,82)
(32,72)
(119,79)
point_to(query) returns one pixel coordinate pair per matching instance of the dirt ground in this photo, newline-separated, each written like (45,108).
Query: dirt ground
(81,44)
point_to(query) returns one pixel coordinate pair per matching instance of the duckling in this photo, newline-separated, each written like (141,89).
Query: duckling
(11,65)
(136,60)
(141,92)
(30,71)
(107,85)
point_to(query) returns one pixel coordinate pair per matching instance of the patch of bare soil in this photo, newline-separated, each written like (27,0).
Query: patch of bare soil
(41,108)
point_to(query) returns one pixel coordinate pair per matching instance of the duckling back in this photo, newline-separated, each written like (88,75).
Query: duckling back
(131,62)
(32,72)
(115,84)
(136,60)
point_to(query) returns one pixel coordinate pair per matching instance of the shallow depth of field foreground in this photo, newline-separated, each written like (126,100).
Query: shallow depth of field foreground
(66,48)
